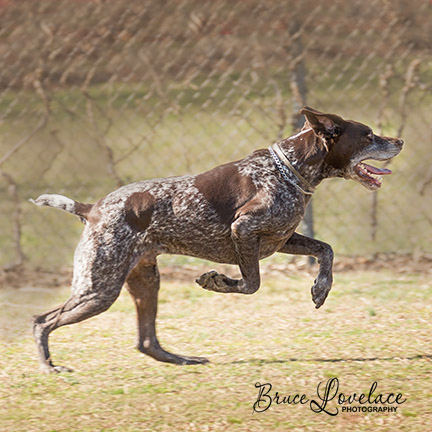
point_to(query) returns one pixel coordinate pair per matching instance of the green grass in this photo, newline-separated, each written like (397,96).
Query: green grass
(274,336)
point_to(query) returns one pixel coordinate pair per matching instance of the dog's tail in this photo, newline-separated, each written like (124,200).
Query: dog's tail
(61,202)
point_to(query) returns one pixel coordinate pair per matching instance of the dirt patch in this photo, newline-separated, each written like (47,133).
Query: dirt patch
(24,277)
(393,262)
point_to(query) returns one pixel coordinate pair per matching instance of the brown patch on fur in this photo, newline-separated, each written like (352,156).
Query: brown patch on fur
(309,149)
(353,139)
(226,190)
(82,209)
(139,209)
(254,206)
(94,214)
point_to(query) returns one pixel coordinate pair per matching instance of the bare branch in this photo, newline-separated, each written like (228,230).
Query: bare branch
(16,219)
(411,81)
(385,87)
(42,123)
(100,135)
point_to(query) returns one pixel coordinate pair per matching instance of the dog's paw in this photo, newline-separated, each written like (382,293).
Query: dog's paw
(213,281)
(320,290)
(206,280)
(51,369)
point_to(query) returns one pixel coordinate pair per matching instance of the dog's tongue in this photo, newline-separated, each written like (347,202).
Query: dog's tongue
(377,171)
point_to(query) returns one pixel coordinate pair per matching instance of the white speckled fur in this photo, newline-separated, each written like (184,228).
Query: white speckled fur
(54,200)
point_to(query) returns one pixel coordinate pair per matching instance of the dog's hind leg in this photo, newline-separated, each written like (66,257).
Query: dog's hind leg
(99,273)
(143,285)
(78,308)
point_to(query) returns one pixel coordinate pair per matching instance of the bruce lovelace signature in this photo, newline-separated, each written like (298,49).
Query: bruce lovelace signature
(330,400)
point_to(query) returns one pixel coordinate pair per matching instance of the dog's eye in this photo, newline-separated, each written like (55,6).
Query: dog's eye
(370,136)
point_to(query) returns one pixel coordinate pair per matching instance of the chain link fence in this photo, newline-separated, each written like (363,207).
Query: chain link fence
(96,94)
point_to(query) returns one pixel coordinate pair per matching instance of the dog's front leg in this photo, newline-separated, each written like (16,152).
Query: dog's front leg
(246,243)
(301,245)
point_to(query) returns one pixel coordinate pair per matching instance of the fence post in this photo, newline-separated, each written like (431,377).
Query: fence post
(299,92)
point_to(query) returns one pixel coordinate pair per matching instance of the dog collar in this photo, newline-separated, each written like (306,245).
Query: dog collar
(285,166)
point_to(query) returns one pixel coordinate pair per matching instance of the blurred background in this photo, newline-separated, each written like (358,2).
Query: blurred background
(96,94)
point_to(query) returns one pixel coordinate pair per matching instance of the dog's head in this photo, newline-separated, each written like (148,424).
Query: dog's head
(348,144)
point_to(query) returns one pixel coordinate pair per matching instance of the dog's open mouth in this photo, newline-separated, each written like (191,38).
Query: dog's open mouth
(370,174)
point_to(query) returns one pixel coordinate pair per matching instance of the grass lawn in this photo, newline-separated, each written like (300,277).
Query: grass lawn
(375,326)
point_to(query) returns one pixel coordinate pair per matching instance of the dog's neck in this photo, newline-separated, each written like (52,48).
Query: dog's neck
(307,152)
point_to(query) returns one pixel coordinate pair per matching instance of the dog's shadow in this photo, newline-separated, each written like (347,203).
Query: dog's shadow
(333,360)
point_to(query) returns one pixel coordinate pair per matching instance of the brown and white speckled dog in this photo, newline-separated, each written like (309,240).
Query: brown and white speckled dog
(237,213)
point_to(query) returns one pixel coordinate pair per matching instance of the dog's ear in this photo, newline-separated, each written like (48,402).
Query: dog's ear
(324,125)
